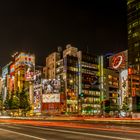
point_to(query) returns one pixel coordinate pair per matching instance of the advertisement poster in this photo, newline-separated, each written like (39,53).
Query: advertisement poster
(51,98)
(37,100)
(37,92)
(124,83)
(50,86)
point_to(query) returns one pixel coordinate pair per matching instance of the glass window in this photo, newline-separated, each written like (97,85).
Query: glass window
(136,44)
(136,60)
(129,1)
(135,34)
(129,31)
(135,23)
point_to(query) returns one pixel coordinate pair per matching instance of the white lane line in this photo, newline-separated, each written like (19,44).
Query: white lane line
(26,135)
(15,127)
(80,133)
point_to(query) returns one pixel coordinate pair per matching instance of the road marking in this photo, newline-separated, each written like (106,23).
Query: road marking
(80,133)
(15,127)
(26,135)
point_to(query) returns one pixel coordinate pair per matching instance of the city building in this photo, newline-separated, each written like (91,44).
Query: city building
(111,88)
(133,23)
(119,63)
(133,15)
(50,71)
(61,75)
(89,84)
(18,74)
(51,86)
(78,73)
(5,80)
(67,71)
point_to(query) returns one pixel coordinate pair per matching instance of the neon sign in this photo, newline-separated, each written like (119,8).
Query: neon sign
(118,61)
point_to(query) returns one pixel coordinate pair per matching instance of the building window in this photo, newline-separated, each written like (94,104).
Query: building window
(129,1)
(135,24)
(129,31)
(138,6)
(135,34)
(136,44)
(136,60)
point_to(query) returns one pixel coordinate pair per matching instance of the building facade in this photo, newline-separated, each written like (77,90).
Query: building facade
(133,20)
(51,60)
(79,74)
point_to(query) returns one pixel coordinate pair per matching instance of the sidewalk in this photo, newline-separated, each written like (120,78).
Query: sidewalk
(88,119)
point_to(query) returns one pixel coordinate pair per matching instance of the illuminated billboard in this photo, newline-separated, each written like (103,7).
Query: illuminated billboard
(37,100)
(51,98)
(124,83)
(37,77)
(24,59)
(29,74)
(50,86)
(27,61)
(12,69)
(37,92)
(118,61)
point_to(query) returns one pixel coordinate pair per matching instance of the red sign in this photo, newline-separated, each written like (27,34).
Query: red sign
(133,92)
(118,61)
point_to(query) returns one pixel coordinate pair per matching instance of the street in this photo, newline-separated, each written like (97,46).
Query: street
(49,130)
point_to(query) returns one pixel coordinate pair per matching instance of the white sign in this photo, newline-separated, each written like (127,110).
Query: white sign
(51,98)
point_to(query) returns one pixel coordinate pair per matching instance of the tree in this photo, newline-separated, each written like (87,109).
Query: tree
(14,102)
(24,102)
(106,106)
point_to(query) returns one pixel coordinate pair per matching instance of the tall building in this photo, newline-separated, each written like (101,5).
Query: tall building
(133,16)
(118,78)
(89,84)
(70,77)
(50,86)
(50,71)
(22,70)
(111,87)
(78,73)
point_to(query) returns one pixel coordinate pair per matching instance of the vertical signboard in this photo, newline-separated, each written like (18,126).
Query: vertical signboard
(37,92)
(124,83)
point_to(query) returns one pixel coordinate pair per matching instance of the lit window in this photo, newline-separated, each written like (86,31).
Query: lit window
(129,26)
(138,6)
(129,1)
(136,60)
(136,44)
(129,31)
(135,23)
(135,34)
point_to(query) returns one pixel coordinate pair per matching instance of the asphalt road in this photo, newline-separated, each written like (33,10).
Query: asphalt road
(10,131)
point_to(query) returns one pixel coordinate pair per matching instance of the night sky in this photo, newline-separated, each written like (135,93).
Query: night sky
(41,26)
